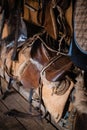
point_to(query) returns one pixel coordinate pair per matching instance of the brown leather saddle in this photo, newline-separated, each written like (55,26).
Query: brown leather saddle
(55,65)
(44,57)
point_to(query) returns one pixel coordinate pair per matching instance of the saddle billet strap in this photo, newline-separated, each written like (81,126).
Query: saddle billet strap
(1,86)
(6,72)
(40,98)
(41,102)
(55,29)
(44,3)
(16,35)
(41,9)
(18,10)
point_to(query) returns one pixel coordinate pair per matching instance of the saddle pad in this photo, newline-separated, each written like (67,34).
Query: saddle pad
(80,25)
(58,68)
(78,47)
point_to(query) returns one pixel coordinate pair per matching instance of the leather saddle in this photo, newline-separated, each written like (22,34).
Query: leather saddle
(56,65)
(42,55)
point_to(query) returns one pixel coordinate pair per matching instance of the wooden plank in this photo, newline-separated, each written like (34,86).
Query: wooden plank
(7,123)
(17,101)
(14,101)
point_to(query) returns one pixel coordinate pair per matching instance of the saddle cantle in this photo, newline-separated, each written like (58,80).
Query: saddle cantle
(60,67)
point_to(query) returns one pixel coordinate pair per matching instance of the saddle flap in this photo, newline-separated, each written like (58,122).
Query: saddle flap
(58,68)
(30,76)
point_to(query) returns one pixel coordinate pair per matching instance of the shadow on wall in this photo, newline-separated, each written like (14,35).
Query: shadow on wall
(32,28)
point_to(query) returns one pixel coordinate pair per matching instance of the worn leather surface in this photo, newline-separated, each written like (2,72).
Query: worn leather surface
(58,69)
